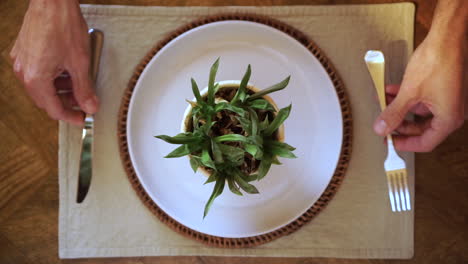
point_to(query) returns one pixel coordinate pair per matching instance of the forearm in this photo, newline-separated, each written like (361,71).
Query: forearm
(450,21)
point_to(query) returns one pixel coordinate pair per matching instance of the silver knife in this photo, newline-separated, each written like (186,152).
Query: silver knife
(84,178)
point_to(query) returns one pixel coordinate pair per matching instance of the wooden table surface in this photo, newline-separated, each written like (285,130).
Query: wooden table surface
(29,184)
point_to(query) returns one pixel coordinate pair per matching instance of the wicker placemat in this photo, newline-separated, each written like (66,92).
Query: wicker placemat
(316,208)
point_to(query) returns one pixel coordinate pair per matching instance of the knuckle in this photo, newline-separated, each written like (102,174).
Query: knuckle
(393,118)
(30,78)
(16,66)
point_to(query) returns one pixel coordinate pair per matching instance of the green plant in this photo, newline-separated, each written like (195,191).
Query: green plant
(235,138)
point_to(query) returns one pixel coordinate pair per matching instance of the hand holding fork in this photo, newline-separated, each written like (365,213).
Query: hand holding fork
(395,167)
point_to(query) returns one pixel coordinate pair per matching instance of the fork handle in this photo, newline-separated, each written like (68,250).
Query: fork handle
(377,72)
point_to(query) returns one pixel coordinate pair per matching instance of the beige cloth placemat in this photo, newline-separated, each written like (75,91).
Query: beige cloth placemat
(357,223)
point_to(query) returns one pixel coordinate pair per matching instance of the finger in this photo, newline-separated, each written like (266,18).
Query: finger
(54,106)
(411,128)
(427,141)
(19,73)
(389,98)
(17,69)
(391,92)
(421,110)
(83,89)
(14,50)
(394,114)
(392,89)
(68,101)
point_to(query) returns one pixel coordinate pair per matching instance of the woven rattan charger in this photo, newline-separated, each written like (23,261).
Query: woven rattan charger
(316,208)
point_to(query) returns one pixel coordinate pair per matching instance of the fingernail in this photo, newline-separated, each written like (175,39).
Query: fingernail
(90,105)
(380,127)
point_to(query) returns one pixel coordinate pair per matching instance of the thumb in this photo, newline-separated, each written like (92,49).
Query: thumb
(394,114)
(83,90)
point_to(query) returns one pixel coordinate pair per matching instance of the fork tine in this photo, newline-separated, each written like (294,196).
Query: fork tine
(390,194)
(399,178)
(395,191)
(405,185)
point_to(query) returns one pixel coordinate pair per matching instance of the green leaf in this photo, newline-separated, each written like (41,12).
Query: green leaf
(195,122)
(241,92)
(182,138)
(196,115)
(279,119)
(254,150)
(211,82)
(233,186)
(217,154)
(275,161)
(257,140)
(279,144)
(261,104)
(196,91)
(254,122)
(195,163)
(250,178)
(246,124)
(229,107)
(233,154)
(264,167)
(251,149)
(217,190)
(207,127)
(231,137)
(179,152)
(213,177)
(279,86)
(280,151)
(206,159)
(264,124)
(244,185)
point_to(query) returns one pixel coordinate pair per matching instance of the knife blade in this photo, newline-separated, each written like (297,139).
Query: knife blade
(85,173)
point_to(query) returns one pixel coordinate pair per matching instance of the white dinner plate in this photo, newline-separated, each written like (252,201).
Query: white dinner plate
(314,127)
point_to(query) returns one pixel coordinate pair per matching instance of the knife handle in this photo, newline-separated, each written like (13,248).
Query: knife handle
(97,40)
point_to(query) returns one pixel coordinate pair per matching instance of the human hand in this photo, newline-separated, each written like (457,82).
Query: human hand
(433,88)
(54,39)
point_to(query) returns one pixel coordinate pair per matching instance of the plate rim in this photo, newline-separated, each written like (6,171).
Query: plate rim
(335,180)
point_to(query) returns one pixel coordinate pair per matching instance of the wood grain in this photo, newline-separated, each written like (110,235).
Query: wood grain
(29,185)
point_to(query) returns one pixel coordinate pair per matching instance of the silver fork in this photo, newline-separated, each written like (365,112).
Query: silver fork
(395,168)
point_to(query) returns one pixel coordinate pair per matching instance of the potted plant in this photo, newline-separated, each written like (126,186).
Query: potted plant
(233,133)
